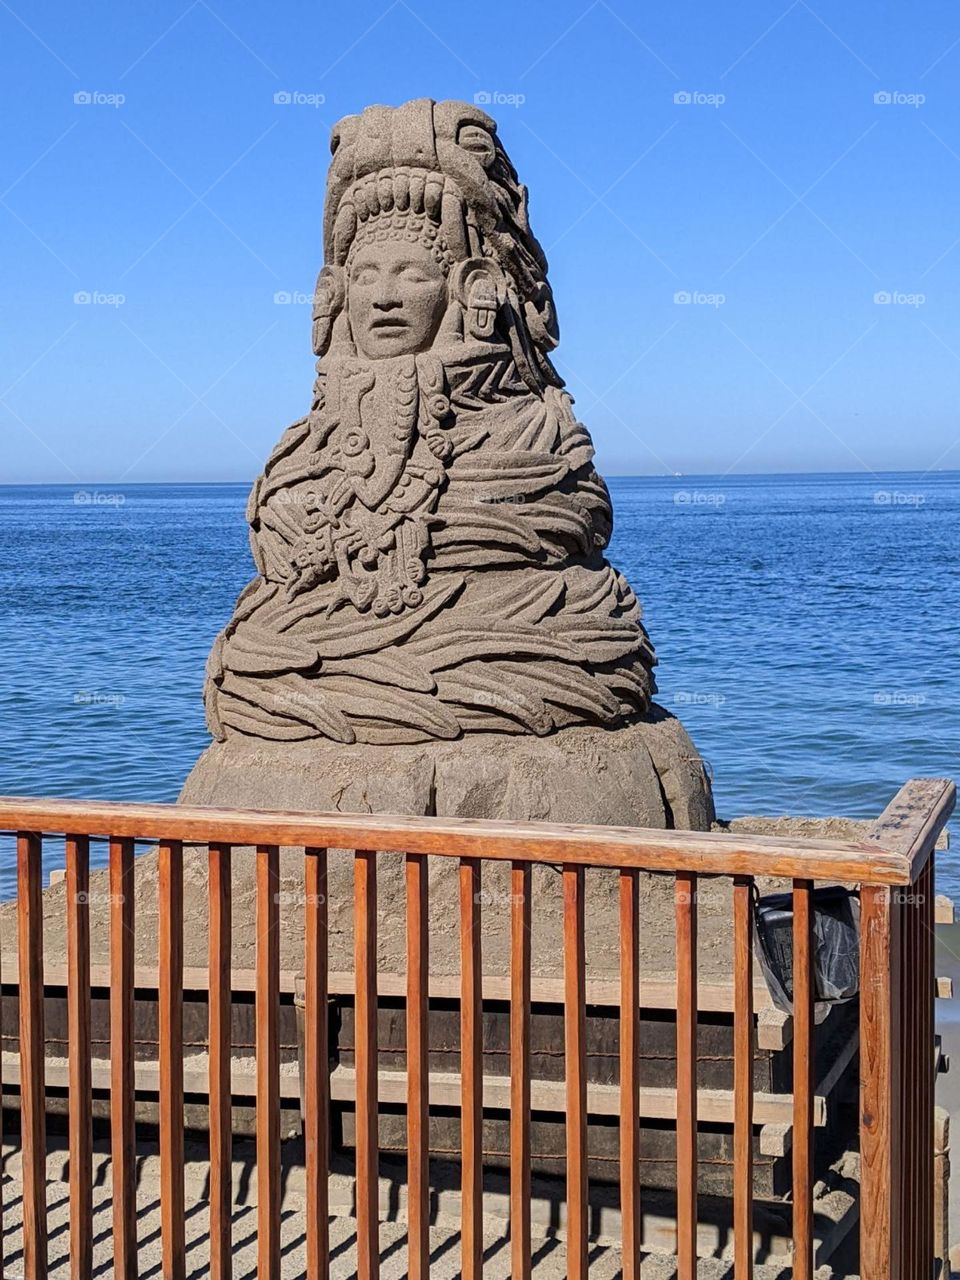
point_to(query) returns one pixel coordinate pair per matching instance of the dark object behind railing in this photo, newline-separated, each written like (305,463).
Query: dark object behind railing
(836,945)
(894,870)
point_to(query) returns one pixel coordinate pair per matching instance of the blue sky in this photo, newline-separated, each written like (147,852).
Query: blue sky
(782,164)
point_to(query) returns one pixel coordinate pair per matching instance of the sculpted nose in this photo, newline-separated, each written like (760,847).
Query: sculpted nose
(386,298)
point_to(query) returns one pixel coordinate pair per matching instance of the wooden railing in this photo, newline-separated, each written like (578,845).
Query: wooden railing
(893,868)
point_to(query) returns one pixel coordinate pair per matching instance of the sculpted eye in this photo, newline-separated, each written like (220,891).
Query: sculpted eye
(365,275)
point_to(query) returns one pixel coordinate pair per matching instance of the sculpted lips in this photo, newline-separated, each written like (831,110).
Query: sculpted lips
(388,322)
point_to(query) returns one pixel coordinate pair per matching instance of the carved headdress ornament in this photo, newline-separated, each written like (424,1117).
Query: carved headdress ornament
(436,174)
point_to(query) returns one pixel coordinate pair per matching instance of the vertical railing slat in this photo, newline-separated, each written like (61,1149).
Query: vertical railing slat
(316,1129)
(926,892)
(685,896)
(219,945)
(122,1078)
(268,1062)
(803,1079)
(32,1050)
(172,1227)
(520,969)
(630,1072)
(471,1071)
(418,1097)
(575,1036)
(367,1112)
(743,1078)
(80,1090)
(2,1250)
(880,1099)
(909,1190)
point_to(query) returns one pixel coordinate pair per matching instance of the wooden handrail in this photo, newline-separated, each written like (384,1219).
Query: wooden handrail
(918,814)
(896,1024)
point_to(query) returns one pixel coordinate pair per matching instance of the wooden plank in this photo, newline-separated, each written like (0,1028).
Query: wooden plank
(268,1063)
(714,853)
(946,911)
(776,1139)
(630,1073)
(803,1063)
(219,945)
(575,1058)
(685,896)
(520,962)
(365,959)
(78,1023)
(659,990)
(32,1050)
(170,924)
(471,1072)
(714,1106)
(122,1076)
(774,1028)
(418,1048)
(743,1079)
(316,1064)
(880,1236)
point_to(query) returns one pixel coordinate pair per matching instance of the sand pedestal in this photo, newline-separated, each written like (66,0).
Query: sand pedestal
(647,774)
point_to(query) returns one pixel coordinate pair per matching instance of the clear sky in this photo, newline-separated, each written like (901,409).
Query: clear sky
(782,164)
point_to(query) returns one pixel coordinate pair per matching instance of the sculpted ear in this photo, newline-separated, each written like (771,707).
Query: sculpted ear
(328,300)
(478,285)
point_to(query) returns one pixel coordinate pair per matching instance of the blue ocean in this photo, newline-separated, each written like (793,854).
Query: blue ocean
(806,627)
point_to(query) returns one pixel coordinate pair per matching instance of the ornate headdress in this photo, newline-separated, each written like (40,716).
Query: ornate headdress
(436,174)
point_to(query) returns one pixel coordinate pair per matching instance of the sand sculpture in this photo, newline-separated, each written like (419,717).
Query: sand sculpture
(433,623)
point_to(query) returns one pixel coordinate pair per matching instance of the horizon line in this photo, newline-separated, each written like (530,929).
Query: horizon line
(613,475)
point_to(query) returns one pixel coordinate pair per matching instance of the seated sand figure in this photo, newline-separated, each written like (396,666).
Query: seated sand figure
(430,539)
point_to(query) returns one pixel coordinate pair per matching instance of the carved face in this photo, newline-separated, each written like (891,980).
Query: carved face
(396,295)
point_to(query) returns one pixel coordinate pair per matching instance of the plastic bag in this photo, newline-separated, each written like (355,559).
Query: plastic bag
(836,945)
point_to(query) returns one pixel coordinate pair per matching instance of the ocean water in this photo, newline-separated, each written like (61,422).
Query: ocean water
(807,629)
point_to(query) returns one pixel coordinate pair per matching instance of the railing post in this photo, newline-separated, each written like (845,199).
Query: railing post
(268,1062)
(32,1060)
(171,1059)
(81,1090)
(880,1094)
(123,1138)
